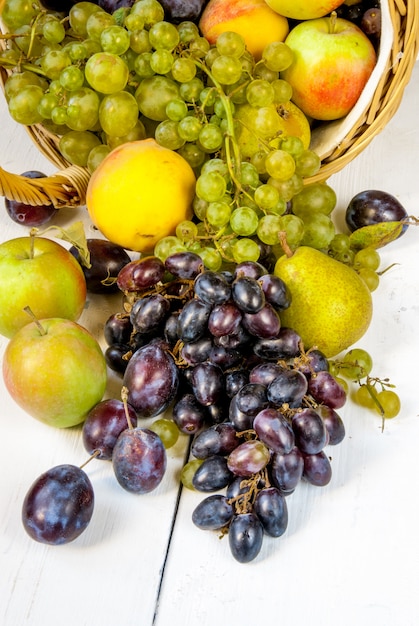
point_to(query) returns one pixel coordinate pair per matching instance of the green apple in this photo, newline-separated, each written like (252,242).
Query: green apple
(333,60)
(55,370)
(41,274)
(304,9)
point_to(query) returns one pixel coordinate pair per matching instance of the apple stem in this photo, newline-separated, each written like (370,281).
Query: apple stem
(32,235)
(124,398)
(31,314)
(332,22)
(282,236)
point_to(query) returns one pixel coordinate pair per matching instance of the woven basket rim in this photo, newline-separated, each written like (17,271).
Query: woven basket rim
(404,15)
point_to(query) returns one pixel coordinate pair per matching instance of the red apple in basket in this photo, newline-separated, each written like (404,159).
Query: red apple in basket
(39,273)
(55,370)
(333,60)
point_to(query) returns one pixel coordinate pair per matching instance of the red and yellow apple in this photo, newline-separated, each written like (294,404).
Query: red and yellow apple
(55,370)
(41,274)
(304,9)
(252,19)
(333,60)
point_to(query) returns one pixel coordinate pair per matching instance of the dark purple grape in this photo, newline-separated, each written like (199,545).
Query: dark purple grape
(224,319)
(273,429)
(186,265)
(248,458)
(239,419)
(62,6)
(193,320)
(207,383)
(177,11)
(276,291)
(106,261)
(317,469)
(287,470)
(253,269)
(194,352)
(239,486)
(264,324)
(373,207)
(264,373)
(289,387)
(247,294)
(103,425)
(139,460)
(225,357)
(117,329)
(116,357)
(220,439)
(325,389)
(188,414)
(212,288)
(112,5)
(59,505)
(333,422)
(313,361)
(217,412)
(170,328)
(371,22)
(212,475)
(285,346)
(213,513)
(152,380)
(141,274)
(271,508)
(245,536)
(149,313)
(27,214)
(239,339)
(252,398)
(235,380)
(310,431)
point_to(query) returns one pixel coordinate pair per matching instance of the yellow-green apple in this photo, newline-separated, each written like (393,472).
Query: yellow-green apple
(39,273)
(333,60)
(304,9)
(252,19)
(55,370)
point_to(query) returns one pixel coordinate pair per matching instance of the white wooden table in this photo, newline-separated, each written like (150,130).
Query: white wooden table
(350,555)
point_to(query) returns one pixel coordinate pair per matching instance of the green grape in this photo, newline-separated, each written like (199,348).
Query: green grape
(307,163)
(78,15)
(319,231)
(53,63)
(142,65)
(367,258)
(161,61)
(220,108)
(97,23)
(18,13)
(186,231)
(258,159)
(28,45)
(106,73)
(279,208)
(59,115)
(389,402)
(211,258)
(76,51)
(237,91)
(216,165)
(164,35)
(96,156)
(287,189)
(140,42)
(370,278)
(314,198)
(260,93)
(134,22)
(153,94)
(364,396)
(82,109)
(135,134)
(193,154)
(167,135)
(191,90)
(245,250)
(71,78)
(266,196)
(277,56)
(188,31)
(207,97)
(115,39)
(265,122)
(210,138)
(244,221)
(92,47)
(75,146)
(183,70)
(282,91)
(200,207)
(188,472)
(249,176)
(293,145)
(176,109)
(218,214)
(210,57)
(261,70)
(18,81)
(211,186)
(150,10)
(167,246)
(226,69)
(167,430)
(340,244)
(46,105)
(53,30)
(280,164)
(355,364)
(118,113)
(23,106)
(199,47)
(293,227)
(189,128)
(230,44)
(268,229)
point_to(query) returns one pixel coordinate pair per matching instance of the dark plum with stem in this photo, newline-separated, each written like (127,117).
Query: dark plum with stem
(103,425)
(106,261)
(28,214)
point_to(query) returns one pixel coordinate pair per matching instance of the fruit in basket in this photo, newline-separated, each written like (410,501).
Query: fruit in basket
(55,370)
(28,214)
(304,9)
(39,273)
(139,193)
(252,19)
(331,307)
(333,60)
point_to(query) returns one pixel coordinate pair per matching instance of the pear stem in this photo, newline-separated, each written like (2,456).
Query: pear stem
(31,314)
(282,236)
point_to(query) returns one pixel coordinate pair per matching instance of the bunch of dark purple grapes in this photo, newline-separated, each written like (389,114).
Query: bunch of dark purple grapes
(366,14)
(260,409)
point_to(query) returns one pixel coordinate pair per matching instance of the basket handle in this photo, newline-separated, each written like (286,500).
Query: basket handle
(66,188)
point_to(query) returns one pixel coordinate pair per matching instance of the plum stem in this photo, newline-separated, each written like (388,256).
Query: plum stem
(31,314)
(124,398)
(92,456)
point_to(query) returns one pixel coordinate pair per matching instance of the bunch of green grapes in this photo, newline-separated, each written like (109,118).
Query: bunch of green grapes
(98,80)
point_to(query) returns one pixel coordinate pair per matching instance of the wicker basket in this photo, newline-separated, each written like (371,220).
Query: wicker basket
(68,186)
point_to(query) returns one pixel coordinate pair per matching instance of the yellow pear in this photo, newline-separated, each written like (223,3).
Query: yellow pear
(331,306)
